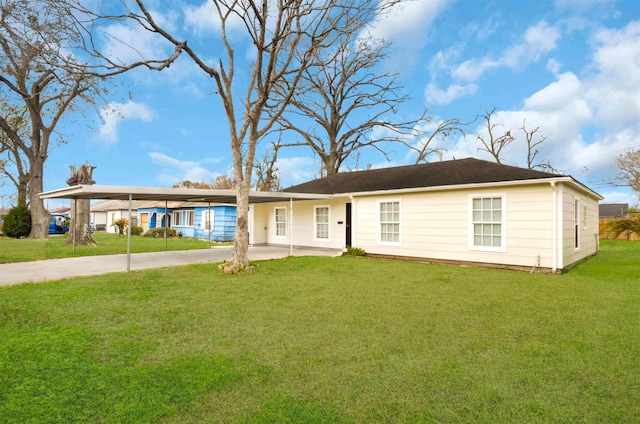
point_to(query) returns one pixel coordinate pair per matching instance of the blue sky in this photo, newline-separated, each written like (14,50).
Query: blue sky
(571,67)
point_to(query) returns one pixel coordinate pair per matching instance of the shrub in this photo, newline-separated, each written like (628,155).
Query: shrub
(354,251)
(137,231)
(17,223)
(159,232)
(120,224)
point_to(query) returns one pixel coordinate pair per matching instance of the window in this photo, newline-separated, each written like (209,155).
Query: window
(188,219)
(281,222)
(487,223)
(208,217)
(176,218)
(576,224)
(322,222)
(389,222)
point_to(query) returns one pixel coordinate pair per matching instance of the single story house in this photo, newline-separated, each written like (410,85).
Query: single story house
(203,221)
(465,211)
(103,214)
(610,212)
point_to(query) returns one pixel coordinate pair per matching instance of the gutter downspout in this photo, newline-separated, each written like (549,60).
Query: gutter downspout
(554,237)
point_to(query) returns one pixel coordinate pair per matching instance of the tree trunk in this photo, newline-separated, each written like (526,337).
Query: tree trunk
(80,216)
(241,242)
(23,190)
(40,217)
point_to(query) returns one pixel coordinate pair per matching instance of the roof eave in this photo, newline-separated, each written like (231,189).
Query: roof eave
(564,179)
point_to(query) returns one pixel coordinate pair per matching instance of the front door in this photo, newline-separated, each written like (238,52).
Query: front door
(144,221)
(348,226)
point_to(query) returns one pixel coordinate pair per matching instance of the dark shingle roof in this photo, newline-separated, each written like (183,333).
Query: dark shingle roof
(435,174)
(613,210)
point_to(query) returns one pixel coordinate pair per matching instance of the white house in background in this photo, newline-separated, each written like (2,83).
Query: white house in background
(465,211)
(104,213)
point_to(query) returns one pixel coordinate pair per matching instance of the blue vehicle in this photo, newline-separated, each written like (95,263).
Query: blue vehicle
(58,224)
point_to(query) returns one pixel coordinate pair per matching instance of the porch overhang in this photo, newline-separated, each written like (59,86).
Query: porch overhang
(172,194)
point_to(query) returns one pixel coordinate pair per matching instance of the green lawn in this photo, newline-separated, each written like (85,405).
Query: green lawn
(324,340)
(21,250)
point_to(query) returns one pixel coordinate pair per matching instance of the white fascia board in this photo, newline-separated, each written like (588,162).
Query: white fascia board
(568,180)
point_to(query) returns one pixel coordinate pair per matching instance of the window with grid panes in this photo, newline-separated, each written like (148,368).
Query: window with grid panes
(487,222)
(389,222)
(281,222)
(322,222)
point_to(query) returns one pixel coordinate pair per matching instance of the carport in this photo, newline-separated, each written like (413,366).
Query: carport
(104,192)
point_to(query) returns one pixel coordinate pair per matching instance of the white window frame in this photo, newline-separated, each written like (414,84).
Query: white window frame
(189,218)
(280,227)
(176,222)
(502,223)
(316,223)
(380,222)
(208,216)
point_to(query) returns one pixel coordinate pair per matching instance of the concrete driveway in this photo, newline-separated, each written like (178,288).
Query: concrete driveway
(55,269)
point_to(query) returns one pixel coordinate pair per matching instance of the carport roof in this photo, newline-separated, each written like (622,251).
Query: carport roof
(171,194)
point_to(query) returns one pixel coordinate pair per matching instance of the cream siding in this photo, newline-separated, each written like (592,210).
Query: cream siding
(587,226)
(302,231)
(436,225)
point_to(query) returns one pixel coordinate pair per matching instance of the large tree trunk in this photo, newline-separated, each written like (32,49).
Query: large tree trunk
(23,190)
(80,216)
(241,242)
(40,217)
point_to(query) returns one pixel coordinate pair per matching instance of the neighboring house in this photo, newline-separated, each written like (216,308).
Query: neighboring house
(212,222)
(102,214)
(610,212)
(466,211)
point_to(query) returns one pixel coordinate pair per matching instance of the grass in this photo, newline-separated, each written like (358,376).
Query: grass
(327,340)
(23,250)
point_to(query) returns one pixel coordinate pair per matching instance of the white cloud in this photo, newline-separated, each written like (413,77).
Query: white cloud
(620,196)
(539,40)
(587,120)
(127,43)
(113,114)
(435,95)
(553,66)
(296,170)
(615,86)
(204,19)
(406,23)
(173,170)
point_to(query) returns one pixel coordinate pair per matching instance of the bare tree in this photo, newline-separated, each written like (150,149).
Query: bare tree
(222,182)
(491,142)
(48,67)
(267,172)
(341,100)
(532,148)
(13,164)
(629,164)
(285,34)
(440,130)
